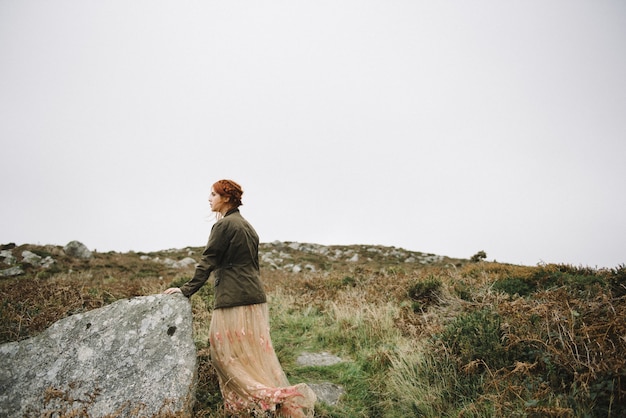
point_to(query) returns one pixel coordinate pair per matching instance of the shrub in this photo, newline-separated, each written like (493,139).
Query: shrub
(550,276)
(463,289)
(555,275)
(617,280)
(424,293)
(478,257)
(476,336)
(514,286)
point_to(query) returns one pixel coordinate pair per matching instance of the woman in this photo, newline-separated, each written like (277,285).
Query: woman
(250,375)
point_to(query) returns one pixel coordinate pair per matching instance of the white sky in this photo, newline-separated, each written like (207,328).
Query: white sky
(445,127)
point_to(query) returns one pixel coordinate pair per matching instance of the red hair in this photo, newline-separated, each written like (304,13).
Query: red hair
(230,189)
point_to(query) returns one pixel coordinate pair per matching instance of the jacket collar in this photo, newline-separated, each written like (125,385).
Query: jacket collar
(231,211)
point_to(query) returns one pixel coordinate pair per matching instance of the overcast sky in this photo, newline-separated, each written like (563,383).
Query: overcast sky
(446,127)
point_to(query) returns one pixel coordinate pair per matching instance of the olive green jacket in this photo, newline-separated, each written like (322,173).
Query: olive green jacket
(232,253)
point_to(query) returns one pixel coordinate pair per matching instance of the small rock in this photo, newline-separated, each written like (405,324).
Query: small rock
(11,271)
(327,392)
(7,257)
(31,258)
(168,262)
(185,262)
(47,262)
(317,359)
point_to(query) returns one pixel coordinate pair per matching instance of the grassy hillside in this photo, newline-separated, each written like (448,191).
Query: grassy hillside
(424,335)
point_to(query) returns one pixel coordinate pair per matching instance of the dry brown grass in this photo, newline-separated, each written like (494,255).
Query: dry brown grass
(32,302)
(564,343)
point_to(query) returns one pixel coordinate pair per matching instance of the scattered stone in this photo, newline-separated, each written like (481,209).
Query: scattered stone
(35,260)
(11,272)
(327,392)
(7,257)
(135,357)
(77,249)
(167,261)
(281,255)
(47,262)
(317,359)
(185,262)
(31,258)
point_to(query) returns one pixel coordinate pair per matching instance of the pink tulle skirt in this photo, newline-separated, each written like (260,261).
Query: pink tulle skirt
(251,377)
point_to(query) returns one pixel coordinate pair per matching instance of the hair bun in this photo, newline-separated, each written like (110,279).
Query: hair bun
(231,189)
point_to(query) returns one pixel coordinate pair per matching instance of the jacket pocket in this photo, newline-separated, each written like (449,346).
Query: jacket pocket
(218,277)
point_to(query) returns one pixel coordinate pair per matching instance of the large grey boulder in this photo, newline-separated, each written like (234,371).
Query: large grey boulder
(133,358)
(77,249)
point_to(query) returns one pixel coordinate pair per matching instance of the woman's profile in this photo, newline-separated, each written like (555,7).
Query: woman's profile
(250,375)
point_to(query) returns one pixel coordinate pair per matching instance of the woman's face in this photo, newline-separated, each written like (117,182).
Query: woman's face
(218,202)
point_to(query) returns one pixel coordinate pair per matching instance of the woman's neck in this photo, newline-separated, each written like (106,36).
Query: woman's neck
(225,211)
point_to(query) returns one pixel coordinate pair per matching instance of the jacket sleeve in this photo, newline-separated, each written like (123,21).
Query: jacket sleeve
(211,258)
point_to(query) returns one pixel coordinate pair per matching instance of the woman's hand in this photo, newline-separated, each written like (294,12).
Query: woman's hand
(172,290)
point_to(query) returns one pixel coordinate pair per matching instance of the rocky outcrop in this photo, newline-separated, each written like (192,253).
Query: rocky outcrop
(35,260)
(11,271)
(133,358)
(29,259)
(8,259)
(284,255)
(180,264)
